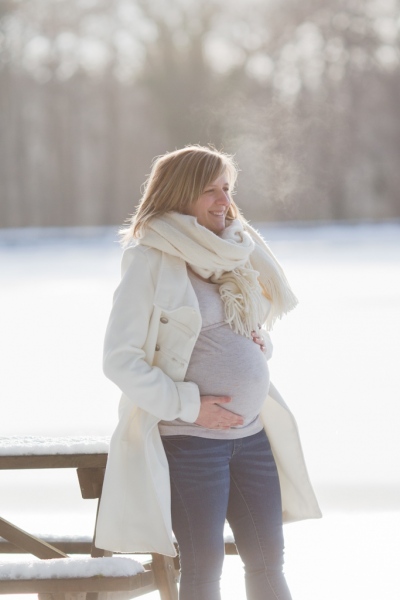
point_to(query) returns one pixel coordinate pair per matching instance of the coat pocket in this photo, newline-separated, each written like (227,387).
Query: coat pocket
(175,341)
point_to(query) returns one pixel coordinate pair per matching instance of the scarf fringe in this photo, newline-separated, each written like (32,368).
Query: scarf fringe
(243,300)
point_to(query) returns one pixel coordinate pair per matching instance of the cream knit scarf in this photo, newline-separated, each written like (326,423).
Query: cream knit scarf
(252,284)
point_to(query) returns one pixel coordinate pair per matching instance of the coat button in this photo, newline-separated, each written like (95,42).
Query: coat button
(164,320)
(157,347)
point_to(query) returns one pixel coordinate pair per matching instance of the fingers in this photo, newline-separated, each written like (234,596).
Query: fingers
(222,399)
(225,418)
(215,399)
(258,339)
(223,425)
(214,416)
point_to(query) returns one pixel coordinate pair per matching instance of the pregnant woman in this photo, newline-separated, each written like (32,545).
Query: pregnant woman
(203,437)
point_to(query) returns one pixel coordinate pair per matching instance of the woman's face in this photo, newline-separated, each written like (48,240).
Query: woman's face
(211,206)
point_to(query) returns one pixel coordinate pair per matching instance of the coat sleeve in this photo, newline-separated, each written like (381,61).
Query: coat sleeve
(124,359)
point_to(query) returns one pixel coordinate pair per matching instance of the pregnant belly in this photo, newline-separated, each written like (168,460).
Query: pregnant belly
(224,363)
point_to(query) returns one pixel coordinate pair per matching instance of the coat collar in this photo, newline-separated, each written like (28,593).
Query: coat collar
(173,287)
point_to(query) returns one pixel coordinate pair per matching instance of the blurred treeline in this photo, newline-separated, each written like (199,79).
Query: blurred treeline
(306,93)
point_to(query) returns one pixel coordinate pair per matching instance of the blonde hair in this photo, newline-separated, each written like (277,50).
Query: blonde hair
(176,181)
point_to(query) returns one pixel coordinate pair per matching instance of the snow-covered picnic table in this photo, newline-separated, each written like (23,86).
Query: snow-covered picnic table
(97,572)
(87,454)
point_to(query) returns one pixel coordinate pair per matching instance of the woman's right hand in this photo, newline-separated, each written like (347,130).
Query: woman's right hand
(213,416)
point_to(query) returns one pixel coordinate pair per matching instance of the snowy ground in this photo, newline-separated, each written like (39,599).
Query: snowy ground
(335,362)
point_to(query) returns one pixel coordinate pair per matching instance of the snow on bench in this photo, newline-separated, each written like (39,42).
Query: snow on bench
(39,445)
(70,575)
(65,568)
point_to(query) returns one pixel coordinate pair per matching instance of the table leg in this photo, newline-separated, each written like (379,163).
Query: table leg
(29,543)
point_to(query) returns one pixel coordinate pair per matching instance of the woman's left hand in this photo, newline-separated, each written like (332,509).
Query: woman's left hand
(258,339)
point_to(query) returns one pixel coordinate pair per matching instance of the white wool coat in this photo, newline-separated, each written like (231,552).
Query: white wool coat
(153,327)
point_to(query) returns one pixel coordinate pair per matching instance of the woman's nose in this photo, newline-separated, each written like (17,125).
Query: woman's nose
(223,198)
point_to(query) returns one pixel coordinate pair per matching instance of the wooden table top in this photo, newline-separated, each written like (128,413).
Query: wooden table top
(52,461)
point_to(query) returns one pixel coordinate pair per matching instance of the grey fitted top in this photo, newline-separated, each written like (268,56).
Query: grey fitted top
(224,363)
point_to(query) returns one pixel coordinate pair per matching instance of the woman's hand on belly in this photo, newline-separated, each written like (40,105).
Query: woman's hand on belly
(213,416)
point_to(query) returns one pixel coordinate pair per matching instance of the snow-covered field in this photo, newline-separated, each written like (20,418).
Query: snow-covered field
(335,362)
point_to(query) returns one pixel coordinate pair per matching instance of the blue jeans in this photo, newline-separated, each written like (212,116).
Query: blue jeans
(237,480)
